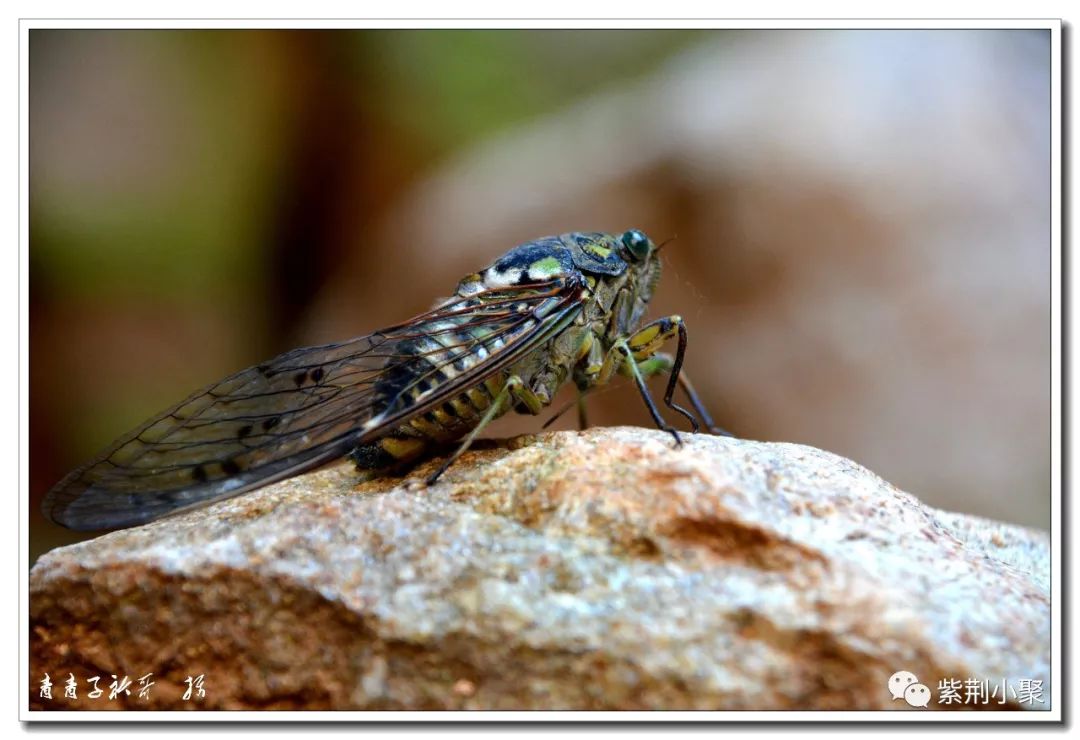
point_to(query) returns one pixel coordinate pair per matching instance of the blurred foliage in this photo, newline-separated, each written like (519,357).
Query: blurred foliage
(184,209)
(166,187)
(479,82)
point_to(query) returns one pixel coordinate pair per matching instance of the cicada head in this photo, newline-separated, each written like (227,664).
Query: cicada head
(642,274)
(640,254)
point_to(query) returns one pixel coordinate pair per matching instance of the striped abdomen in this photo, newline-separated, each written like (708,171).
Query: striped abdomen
(434,360)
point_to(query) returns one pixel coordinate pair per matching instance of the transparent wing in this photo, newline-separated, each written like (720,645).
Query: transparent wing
(307,407)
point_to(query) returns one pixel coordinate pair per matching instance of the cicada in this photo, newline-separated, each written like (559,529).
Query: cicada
(550,310)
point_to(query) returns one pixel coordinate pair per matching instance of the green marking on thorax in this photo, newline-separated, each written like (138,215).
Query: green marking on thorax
(545,267)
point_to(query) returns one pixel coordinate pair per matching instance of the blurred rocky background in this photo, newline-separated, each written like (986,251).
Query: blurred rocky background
(862,222)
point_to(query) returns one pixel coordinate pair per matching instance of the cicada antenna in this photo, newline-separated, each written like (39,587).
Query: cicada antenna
(669,240)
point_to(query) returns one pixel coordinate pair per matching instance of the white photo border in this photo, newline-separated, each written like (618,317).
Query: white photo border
(1055,714)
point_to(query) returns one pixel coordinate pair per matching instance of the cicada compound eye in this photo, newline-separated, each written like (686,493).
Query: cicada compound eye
(637,244)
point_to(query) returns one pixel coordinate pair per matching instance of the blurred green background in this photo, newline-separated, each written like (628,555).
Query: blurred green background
(862,217)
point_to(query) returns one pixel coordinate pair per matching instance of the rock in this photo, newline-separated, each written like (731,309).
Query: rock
(602,569)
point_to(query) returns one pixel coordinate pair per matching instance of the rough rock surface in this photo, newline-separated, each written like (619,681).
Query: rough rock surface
(595,570)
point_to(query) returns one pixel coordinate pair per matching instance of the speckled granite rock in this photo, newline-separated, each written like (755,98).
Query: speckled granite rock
(593,570)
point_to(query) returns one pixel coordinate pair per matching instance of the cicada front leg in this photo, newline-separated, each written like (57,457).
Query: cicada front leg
(636,357)
(662,362)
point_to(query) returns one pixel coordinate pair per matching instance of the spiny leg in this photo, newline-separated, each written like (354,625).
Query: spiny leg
(583,421)
(662,362)
(656,365)
(555,417)
(644,343)
(695,401)
(514,388)
(642,359)
(631,365)
(622,358)
(582,412)
(590,357)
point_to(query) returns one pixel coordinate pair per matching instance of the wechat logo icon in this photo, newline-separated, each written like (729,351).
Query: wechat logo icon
(905,685)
